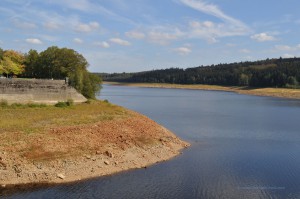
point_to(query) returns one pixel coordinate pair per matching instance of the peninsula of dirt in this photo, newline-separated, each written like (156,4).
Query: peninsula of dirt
(59,145)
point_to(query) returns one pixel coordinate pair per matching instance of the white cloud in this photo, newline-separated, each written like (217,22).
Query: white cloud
(287,48)
(182,50)
(52,25)
(120,41)
(81,5)
(209,30)
(88,6)
(24,24)
(78,40)
(214,10)
(163,35)
(33,41)
(284,47)
(103,44)
(262,37)
(87,27)
(288,55)
(135,35)
(245,50)
(47,37)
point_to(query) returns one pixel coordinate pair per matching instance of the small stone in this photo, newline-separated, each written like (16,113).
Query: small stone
(109,154)
(94,159)
(17,169)
(3,185)
(88,157)
(2,166)
(61,176)
(106,162)
(98,152)
(39,166)
(116,162)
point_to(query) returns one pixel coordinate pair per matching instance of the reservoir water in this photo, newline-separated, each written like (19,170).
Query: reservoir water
(242,147)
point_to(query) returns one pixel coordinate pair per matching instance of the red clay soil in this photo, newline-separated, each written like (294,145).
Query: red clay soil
(67,154)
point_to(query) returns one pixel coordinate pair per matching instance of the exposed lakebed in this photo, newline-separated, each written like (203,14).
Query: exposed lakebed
(242,147)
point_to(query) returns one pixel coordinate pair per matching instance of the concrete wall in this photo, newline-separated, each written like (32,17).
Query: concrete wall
(37,91)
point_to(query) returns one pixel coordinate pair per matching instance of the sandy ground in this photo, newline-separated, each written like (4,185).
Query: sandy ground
(67,154)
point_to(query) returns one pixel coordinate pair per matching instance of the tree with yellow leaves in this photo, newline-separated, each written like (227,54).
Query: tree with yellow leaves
(12,63)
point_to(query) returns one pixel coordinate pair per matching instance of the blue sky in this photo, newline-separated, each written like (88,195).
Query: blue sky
(139,35)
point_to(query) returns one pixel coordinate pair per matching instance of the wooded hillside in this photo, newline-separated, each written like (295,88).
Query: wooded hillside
(266,73)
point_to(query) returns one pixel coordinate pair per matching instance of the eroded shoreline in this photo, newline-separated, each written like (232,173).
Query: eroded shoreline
(106,147)
(269,92)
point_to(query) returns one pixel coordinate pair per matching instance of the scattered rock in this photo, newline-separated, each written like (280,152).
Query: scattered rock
(39,166)
(104,159)
(109,154)
(2,166)
(3,185)
(61,176)
(17,169)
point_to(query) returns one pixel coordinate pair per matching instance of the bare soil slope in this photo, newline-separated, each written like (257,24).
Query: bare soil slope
(71,150)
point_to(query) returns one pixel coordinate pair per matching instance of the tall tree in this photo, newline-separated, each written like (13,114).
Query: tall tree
(1,53)
(12,63)
(59,63)
(31,62)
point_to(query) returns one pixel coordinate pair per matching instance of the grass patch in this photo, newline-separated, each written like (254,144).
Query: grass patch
(40,118)
(3,103)
(61,104)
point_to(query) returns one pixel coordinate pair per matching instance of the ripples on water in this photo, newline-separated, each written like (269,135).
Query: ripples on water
(242,147)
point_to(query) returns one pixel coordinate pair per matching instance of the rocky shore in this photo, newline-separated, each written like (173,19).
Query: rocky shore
(77,152)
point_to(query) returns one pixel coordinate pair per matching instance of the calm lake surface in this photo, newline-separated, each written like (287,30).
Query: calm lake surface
(242,147)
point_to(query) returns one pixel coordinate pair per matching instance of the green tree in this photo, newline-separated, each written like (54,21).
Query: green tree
(292,82)
(244,80)
(31,62)
(1,53)
(12,63)
(59,63)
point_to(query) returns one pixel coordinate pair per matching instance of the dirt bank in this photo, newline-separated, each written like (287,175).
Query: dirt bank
(69,153)
(271,92)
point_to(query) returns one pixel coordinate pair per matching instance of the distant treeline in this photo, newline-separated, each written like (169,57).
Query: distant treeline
(53,63)
(266,73)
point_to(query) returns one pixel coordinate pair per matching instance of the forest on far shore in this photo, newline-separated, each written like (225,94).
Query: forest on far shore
(53,63)
(282,72)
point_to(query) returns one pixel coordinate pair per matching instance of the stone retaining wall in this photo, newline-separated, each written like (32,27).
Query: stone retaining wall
(37,91)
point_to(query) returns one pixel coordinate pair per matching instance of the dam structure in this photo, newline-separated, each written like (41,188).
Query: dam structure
(17,90)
